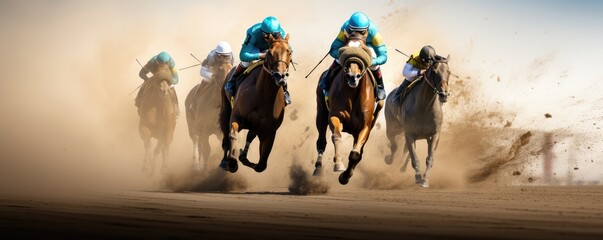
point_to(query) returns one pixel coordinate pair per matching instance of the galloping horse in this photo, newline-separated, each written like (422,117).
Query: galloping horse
(157,116)
(419,116)
(259,106)
(203,105)
(351,107)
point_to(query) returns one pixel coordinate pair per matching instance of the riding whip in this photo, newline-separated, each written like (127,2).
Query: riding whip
(195,58)
(452,74)
(319,63)
(194,65)
(141,83)
(402,53)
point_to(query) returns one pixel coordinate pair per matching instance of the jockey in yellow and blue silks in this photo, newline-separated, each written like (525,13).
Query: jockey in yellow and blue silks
(416,65)
(359,22)
(152,66)
(254,48)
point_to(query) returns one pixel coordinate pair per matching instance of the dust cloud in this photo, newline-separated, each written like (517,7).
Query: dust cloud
(70,123)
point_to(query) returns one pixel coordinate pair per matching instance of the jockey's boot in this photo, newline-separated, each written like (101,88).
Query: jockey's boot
(325,81)
(286,93)
(401,88)
(380,90)
(231,85)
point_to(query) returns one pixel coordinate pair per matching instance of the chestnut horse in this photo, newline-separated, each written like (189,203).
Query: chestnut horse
(419,116)
(203,105)
(259,106)
(157,116)
(351,107)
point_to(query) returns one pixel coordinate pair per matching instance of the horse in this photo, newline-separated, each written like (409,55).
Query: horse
(351,107)
(157,113)
(203,104)
(259,106)
(419,116)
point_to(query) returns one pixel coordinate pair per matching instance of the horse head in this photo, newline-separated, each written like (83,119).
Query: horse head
(220,69)
(355,58)
(437,76)
(278,59)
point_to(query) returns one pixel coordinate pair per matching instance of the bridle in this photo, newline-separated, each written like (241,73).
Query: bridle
(269,65)
(432,83)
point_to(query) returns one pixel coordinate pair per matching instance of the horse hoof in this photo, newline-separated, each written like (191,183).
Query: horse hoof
(317,171)
(260,167)
(196,167)
(343,179)
(224,165)
(233,166)
(338,167)
(389,160)
(423,183)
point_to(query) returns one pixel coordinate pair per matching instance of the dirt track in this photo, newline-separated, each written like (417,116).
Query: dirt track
(499,213)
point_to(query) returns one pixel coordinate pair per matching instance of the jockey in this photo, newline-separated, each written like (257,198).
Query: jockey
(222,52)
(359,22)
(416,66)
(152,66)
(254,48)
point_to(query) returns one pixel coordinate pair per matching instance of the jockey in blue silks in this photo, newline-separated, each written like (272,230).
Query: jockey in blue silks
(360,23)
(254,48)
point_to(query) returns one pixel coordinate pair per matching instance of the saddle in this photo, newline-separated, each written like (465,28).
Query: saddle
(410,87)
(244,75)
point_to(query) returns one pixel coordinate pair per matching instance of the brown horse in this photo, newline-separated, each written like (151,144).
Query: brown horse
(157,116)
(351,107)
(259,106)
(203,105)
(419,116)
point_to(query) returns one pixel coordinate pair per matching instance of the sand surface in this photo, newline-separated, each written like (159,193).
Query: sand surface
(480,213)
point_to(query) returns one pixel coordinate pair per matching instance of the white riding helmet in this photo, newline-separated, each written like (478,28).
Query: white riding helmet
(223,48)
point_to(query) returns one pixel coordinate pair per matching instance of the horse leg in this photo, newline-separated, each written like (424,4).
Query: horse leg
(266,142)
(355,155)
(429,160)
(410,144)
(406,157)
(232,156)
(336,128)
(165,153)
(243,156)
(204,148)
(392,131)
(196,150)
(321,142)
(146,167)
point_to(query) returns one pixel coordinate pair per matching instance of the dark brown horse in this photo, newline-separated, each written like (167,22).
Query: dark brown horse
(157,116)
(259,106)
(203,104)
(351,107)
(419,116)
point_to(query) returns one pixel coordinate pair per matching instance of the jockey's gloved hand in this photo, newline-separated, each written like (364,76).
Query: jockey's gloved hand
(262,55)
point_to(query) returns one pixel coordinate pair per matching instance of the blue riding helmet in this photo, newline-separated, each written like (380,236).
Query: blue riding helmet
(270,25)
(163,57)
(358,22)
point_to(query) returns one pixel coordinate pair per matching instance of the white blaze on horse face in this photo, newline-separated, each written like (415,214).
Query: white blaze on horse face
(354,43)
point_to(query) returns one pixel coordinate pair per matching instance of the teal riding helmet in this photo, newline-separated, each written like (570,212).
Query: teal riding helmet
(358,21)
(270,25)
(163,57)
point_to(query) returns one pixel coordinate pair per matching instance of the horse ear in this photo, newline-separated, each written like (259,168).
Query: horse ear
(448,57)
(287,37)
